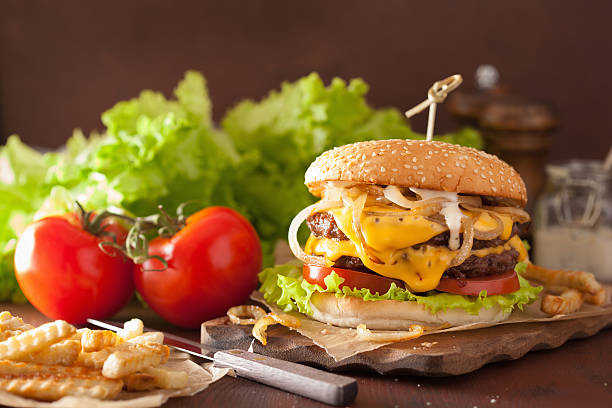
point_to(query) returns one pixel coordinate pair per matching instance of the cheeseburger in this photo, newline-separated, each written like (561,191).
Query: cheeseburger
(407,232)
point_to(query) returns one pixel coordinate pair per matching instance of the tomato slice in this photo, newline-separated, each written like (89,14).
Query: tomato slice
(352,279)
(494,285)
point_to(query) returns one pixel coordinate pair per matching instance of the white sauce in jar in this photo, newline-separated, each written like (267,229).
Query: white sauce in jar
(581,249)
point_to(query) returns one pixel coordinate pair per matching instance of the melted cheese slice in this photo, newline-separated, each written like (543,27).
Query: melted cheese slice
(390,235)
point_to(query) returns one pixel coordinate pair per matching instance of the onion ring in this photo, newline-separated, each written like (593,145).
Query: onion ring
(261,325)
(286,320)
(393,194)
(236,314)
(491,234)
(295,246)
(516,213)
(468,241)
(325,205)
(363,333)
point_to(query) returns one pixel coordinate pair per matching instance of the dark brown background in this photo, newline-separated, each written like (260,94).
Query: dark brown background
(64,62)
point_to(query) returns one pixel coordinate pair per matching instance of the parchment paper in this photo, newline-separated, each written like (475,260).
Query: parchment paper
(342,342)
(200,377)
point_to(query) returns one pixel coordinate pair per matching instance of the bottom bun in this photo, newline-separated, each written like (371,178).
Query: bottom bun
(350,311)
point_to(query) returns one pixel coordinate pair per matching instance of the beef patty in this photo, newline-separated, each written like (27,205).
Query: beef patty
(323,225)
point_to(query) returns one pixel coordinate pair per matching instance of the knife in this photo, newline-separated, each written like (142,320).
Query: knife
(298,379)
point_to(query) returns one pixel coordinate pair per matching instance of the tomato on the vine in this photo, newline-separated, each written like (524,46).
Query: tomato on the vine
(64,273)
(211,264)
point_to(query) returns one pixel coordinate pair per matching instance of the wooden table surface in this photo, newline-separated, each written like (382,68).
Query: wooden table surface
(578,374)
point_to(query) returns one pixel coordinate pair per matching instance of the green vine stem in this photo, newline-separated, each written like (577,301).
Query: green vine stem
(143,229)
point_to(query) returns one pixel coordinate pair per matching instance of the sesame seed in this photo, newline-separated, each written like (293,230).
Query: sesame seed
(393,169)
(427,157)
(438,169)
(448,176)
(414,160)
(382,169)
(429,152)
(443,164)
(463,166)
(423,179)
(445,154)
(494,189)
(420,172)
(407,166)
(414,167)
(475,171)
(483,176)
(491,180)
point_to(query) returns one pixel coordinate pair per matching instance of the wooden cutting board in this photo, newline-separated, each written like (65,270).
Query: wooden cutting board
(441,354)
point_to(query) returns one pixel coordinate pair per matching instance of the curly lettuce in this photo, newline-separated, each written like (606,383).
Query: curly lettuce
(284,285)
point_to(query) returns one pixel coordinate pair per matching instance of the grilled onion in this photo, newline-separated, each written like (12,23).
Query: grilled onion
(245,314)
(363,333)
(491,234)
(517,214)
(393,194)
(293,241)
(261,325)
(468,241)
(325,205)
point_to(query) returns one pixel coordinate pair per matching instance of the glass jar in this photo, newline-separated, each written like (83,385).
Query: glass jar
(573,219)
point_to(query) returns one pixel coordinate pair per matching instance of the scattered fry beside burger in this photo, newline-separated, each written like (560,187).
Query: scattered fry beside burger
(56,360)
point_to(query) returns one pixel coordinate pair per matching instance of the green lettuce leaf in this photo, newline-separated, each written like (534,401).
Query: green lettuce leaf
(283,285)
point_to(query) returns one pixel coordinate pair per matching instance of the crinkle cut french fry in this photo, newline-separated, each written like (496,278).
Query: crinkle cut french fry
(65,353)
(95,359)
(13,369)
(139,382)
(10,322)
(54,388)
(597,299)
(148,337)
(9,333)
(582,281)
(34,340)
(156,377)
(167,379)
(568,302)
(136,357)
(96,340)
(131,328)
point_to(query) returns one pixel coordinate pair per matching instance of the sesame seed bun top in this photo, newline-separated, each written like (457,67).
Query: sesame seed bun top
(417,163)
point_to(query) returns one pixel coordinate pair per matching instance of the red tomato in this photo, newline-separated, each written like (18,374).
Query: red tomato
(494,285)
(212,265)
(352,279)
(64,274)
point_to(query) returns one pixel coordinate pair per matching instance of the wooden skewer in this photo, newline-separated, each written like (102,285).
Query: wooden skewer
(436,94)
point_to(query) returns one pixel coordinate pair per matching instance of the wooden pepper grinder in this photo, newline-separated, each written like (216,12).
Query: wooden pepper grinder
(516,128)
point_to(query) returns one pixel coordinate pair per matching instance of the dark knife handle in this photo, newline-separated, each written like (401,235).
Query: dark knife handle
(295,378)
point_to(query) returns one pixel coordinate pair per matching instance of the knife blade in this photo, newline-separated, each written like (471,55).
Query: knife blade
(298,379)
